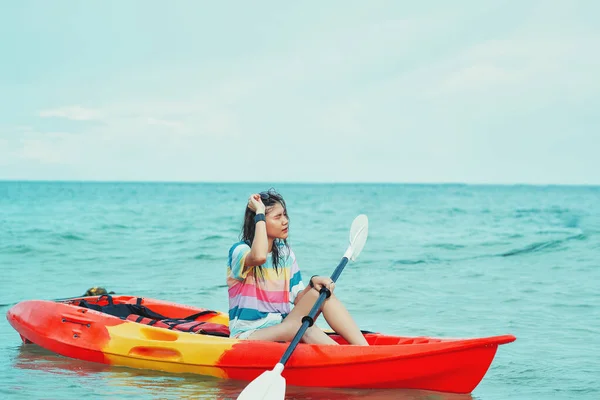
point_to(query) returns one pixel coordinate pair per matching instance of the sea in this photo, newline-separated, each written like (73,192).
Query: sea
(441,260)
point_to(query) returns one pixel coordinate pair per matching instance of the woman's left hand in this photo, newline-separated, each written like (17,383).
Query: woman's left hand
(320,281)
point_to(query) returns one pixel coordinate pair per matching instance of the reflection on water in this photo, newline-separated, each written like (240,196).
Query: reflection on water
(103,381)
(37,358)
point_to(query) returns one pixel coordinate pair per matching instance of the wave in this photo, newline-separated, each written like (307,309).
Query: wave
(551,210)
(446,246)
(71,236)
(221,286)
(541,246)
(17,249)
(37,230)
(531,248)
(568,218)
(114,226)
(213,237)
(408,262)
(205,256)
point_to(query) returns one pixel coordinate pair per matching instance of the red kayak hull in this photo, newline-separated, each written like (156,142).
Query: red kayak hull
(446,365)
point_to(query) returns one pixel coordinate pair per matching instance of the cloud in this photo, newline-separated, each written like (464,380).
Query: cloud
(76,113)
(522,64)
(174,133)
(166,123)
(476,77)
(195,117)
(43,151)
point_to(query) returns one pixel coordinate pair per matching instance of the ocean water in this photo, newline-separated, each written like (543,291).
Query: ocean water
(441,260)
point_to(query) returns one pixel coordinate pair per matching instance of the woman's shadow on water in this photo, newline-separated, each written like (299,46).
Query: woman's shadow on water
(163,385)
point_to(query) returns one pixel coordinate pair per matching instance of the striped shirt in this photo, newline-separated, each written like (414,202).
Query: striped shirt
(259,300)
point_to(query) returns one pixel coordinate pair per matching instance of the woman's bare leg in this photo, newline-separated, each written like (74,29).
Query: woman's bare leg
(287,329)
(335,314)
(340,320)
(315,335)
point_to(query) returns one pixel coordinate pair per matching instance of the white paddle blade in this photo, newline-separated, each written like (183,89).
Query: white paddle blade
(358,235)
(270,385)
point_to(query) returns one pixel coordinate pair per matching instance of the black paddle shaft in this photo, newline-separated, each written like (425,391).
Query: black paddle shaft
(308,320)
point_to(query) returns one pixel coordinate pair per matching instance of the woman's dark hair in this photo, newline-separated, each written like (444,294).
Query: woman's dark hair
(269,199)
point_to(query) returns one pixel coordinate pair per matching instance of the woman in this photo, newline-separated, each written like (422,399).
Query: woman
(267,298)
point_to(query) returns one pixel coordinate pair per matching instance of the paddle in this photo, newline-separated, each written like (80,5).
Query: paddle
(270,385)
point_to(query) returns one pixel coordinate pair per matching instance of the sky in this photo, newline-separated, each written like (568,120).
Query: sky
(495,92)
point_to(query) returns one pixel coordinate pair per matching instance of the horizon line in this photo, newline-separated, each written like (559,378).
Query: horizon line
(199,182)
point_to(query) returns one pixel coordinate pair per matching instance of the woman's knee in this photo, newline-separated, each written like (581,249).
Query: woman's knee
(313,295)
(290,328)
(314,331)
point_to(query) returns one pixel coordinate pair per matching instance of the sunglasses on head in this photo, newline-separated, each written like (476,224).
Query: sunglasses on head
(264,195)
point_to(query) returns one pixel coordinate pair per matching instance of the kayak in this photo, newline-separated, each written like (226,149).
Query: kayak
(160,335)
